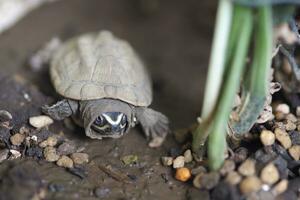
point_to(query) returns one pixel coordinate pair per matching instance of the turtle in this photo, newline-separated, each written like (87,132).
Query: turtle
(106,88)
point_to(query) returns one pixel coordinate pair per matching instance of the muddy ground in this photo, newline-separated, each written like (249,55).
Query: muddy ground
(172,36)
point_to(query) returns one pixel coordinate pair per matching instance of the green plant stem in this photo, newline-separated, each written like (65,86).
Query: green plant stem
(215,70)
(217,136)
(217,58)
(256,87)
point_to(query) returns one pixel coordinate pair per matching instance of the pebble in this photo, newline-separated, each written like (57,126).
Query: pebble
(183,174)
(289,125)
(283,137)
(240,154)
(269,174)
(294,151)
(224,191)
(80,158)
(291,117)
(250,184)
(298,111)
(40,121)
(49,142)
(295,137)
(198,170)
(65,161)
(247,168)
(283,108)
(167,161)
(188,156)
(51,154)
(233,178)
(5,116)
(267,137)
(3,154)
(36,152)
(280,116)
(66,148)
(130,159)
(279,125)
(206,181)
(14,154)
(178,162)
(280,187)
(24,130)
(262,156)
(228,166)
(281,165)
(17,139)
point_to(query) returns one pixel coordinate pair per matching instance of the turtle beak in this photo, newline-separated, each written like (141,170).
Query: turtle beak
(116,130)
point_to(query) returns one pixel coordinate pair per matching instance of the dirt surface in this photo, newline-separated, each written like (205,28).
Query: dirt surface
(172,37)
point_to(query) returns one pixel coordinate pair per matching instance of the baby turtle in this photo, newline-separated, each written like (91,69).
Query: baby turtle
(106,88)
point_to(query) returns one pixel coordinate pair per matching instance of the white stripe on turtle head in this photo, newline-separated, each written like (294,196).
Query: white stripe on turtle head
(111,121)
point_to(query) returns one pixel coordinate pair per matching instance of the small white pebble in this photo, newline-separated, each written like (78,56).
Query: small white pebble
(34,138)
(265,187)
(283,108)
(188,156)
(178,162)
(15,154)
(167,161)
(40,121)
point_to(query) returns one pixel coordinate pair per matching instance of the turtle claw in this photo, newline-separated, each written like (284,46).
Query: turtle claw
(154,124)
(58,111)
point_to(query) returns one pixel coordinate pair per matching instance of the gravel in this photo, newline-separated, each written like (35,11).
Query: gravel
(65,161)
(40,121)
(80,158)
(178,162)
(250,184)
(51,154)
(17,139)
(247,168)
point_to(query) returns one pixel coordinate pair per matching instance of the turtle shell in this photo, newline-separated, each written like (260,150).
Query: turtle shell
(99,65)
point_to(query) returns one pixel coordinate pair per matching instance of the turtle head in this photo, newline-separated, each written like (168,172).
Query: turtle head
(110,124)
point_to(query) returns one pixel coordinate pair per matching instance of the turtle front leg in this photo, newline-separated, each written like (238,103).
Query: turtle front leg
(62,109)
(154,124)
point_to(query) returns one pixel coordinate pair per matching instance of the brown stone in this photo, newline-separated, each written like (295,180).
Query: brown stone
(65,161)
(247,168)
(80,158)
(283,137)
(267,137)
(17,139)
(233,178)
(269,174)
(294,151)
(250,184)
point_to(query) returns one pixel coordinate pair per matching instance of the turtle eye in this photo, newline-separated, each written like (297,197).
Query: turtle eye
(99,121)
(123,121)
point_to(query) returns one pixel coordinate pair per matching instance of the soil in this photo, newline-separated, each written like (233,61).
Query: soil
(172,36)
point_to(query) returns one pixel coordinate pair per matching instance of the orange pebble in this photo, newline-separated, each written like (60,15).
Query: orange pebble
(183,174)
